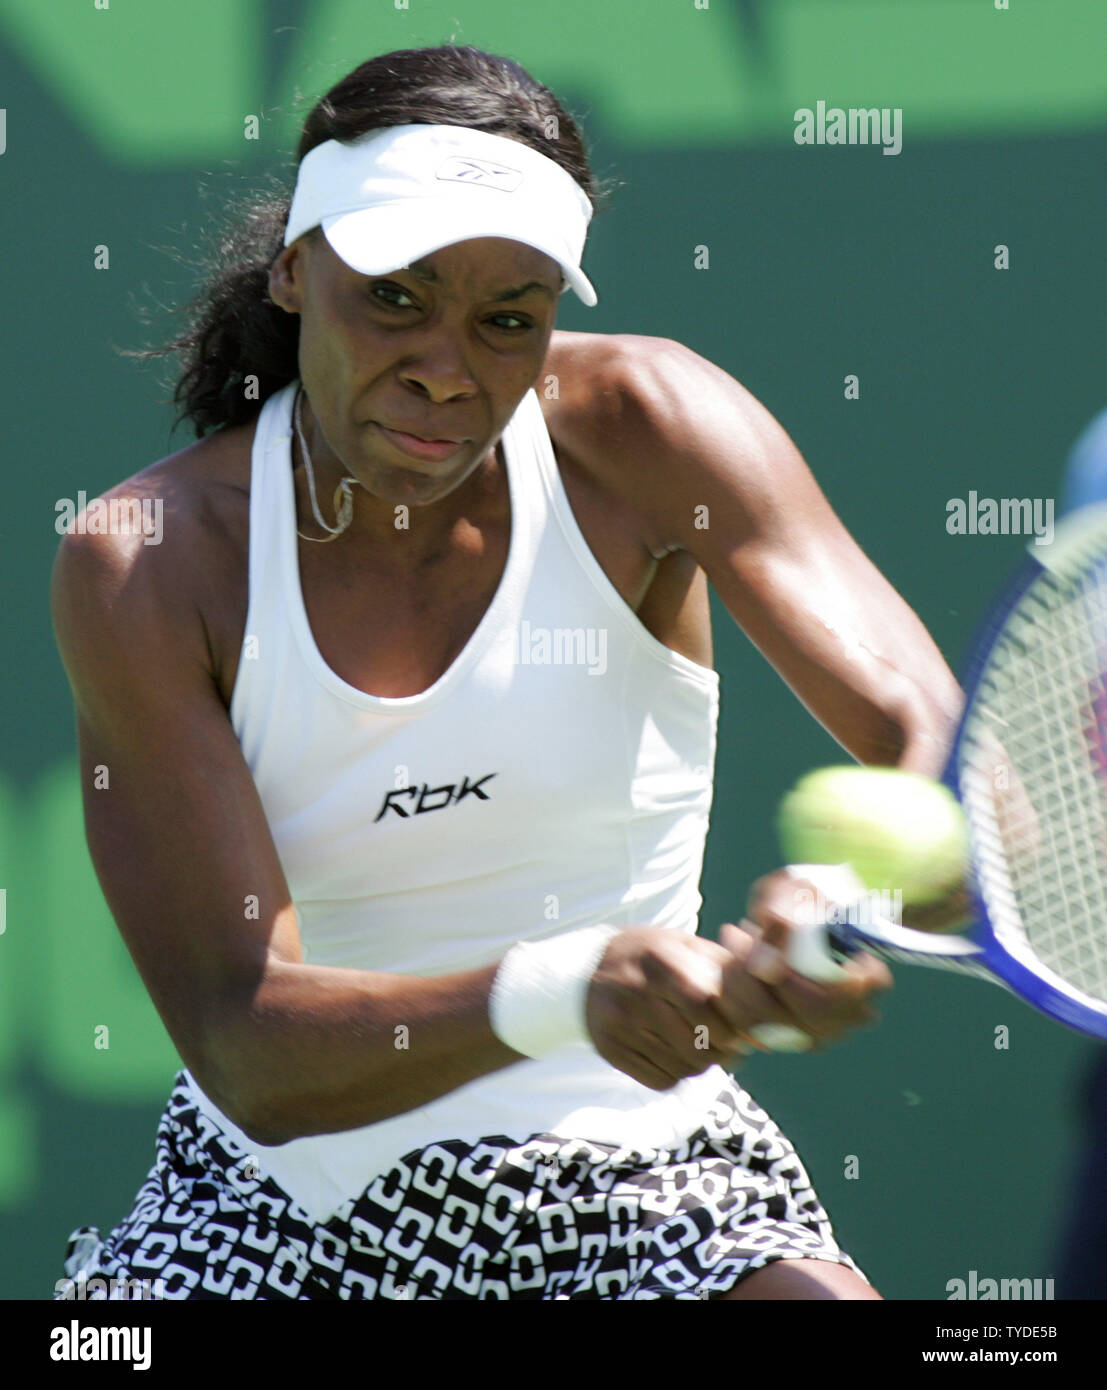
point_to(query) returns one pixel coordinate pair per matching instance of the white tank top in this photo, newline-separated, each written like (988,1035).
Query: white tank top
(558,775)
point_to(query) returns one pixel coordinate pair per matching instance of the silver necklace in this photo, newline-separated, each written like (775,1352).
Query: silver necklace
(343,493)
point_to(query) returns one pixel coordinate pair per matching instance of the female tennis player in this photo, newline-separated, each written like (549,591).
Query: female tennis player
(409,724)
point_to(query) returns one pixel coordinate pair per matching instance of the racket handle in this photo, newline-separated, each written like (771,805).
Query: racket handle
(812,950)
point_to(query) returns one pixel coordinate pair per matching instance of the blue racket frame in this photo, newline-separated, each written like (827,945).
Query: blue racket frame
(1011,971)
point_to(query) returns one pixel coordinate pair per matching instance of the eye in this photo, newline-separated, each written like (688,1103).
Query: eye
(382,290)
(511,323)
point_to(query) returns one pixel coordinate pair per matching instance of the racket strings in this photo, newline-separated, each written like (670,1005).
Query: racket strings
(1039,804)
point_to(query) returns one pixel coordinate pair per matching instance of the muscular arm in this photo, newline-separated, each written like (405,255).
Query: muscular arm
(179,840)
(718,477)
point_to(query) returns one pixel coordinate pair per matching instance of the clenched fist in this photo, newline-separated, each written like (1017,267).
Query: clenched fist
(663,1006)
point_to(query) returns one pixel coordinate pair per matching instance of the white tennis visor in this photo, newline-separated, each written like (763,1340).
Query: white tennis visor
(395,195)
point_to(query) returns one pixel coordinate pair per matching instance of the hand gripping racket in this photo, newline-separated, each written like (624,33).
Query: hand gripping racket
(1029,767)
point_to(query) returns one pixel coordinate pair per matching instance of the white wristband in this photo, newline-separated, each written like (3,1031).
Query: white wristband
(537,1002)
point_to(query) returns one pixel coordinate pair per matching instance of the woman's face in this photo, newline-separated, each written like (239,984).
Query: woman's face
(444,349)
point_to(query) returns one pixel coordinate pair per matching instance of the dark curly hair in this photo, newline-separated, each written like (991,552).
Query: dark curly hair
(233,329)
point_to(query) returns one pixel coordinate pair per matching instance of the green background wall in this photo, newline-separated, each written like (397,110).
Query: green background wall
(125,127)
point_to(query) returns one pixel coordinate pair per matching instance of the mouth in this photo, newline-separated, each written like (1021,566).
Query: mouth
(416,447)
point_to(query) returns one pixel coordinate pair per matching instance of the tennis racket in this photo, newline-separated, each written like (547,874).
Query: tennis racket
(1029,767)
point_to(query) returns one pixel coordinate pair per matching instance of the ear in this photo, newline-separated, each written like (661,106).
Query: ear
(285,278)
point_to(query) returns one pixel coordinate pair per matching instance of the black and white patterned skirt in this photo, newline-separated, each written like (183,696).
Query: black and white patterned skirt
(548,1218)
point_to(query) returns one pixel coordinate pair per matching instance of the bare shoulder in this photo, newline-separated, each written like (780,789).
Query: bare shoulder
(656,420)
(587,387)
(622,386)
(643,415)
(593,390)
(155,551)
(591,380)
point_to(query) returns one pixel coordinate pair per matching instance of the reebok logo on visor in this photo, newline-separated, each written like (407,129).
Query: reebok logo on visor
(461,169)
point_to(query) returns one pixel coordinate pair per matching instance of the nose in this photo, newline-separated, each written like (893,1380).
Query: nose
(439,371)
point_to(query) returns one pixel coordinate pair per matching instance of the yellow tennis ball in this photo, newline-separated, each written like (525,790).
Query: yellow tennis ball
(898,830)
